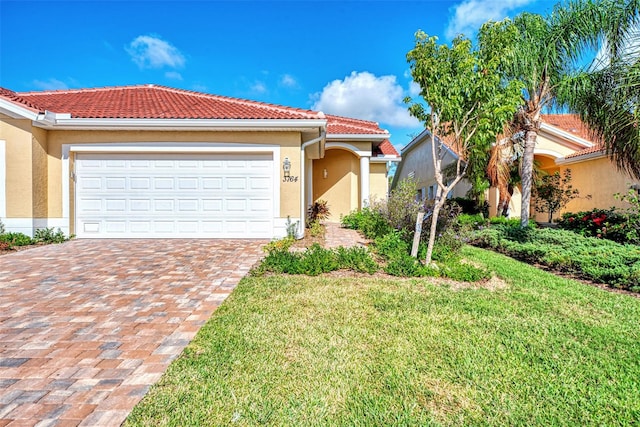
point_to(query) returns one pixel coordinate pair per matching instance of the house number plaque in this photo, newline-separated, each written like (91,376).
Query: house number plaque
(286,168)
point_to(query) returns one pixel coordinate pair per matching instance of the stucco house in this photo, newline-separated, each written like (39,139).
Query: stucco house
(157,162)
(563,143)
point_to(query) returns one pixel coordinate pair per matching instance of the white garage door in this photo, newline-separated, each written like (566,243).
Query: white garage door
(174,195)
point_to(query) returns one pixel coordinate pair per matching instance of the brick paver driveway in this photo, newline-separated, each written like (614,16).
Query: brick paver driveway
(87,326)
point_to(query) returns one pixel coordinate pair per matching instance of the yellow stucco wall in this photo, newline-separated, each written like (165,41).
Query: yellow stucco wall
(598,178)
(19,167)
(39,172)
(378,184)
(340,188)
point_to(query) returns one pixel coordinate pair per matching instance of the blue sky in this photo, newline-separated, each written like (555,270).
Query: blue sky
(340,57)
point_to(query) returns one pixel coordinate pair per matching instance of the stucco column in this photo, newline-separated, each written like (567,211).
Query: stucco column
(364,181)
(309,179)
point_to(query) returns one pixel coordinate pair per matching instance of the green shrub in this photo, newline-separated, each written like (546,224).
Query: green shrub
(316,229)
(357,259)
(280,244)
(473,220)
(47,235)
(369,221)
(402,207)
(590,258)
(404,265)
(391,245)
(316,260)
(16,239)
(278,260)
(514,222)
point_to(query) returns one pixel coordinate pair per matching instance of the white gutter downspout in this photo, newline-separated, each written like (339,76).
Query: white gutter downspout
(303,207)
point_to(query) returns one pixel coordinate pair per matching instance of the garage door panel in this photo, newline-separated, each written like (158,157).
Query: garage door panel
(212,227)
(212,205)
(174,195)
(141,205)
(140,226)
(117,183)
(91,205)
(90,184)
(163,184)
(163,205)
(260,183)
(260,205)
(187,205)
(212,183)
(116,205)
(189,183)
(116,164)
(137,183)
(118,227)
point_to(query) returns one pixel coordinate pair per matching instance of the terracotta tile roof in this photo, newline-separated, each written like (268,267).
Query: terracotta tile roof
(569,123)
(595,149)
(17,99)
(346,125)
(385,149)
(151,102)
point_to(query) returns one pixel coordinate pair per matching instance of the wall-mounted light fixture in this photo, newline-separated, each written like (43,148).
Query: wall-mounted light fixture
(325,173)
(286,166)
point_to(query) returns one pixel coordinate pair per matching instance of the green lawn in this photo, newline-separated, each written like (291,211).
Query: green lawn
(294,350)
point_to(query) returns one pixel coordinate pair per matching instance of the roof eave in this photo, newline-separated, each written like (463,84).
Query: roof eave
(65,123)
(357,136)
(582,158)
(554,130)
(384,159)
(17,111)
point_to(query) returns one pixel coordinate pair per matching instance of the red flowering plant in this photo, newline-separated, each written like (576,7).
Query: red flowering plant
(602,223)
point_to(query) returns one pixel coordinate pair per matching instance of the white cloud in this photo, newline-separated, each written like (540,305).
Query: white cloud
(259,87)
(153,52)
(366,96)
(469,15)
(288,80)
(173,75)
(50,84)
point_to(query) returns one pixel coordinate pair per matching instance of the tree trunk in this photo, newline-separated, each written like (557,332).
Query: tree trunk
(432,232)
(527,176)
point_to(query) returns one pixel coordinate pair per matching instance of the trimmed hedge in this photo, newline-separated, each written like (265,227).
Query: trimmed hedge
(602,261)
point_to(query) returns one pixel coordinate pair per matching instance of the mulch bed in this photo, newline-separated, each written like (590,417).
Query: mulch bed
(15,249)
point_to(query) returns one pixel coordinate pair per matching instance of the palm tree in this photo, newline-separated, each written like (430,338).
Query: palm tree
(607,95)
(533,57)
(543,53)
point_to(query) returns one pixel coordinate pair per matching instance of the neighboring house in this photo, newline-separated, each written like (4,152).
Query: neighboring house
(157,162)
(417,164)
(563,143)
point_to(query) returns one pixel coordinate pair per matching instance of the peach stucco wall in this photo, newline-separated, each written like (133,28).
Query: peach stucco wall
(340,188)
(598,178)
(26,162)
(378,183)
